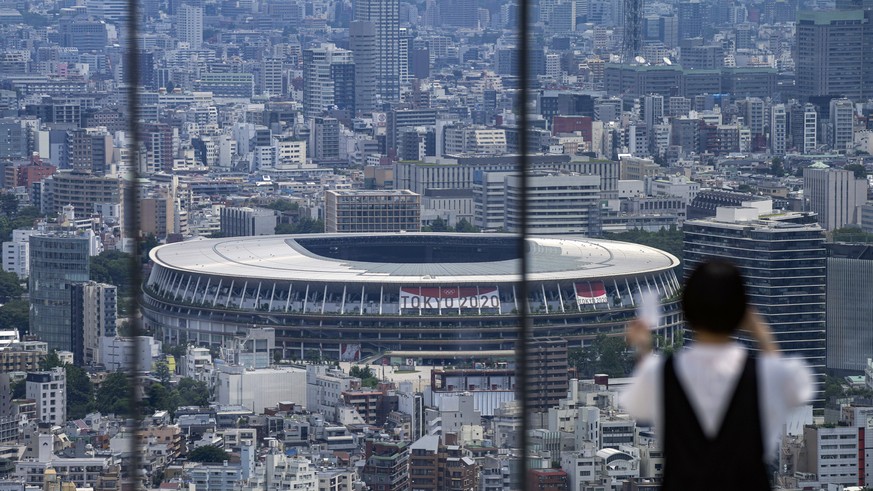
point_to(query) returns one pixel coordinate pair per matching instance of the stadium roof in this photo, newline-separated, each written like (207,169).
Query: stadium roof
(282,257)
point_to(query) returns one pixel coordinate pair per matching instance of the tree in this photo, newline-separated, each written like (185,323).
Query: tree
(777,168)
(80,392)
(10,286)
(51,361)
(283,205)
(609,355)
(15,314)
(114,394)
(192,392)
(365,373)
(148,243)
(19,389)
(465,227)
(208,454)
(439,225)
(115,268)
(304,225)
(859,170)
(8,204)
(667,239)
(162,371)
(160,398)
(853,235)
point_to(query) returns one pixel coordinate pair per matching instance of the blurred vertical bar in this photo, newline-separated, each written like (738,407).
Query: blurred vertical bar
(522,378)
(133,466)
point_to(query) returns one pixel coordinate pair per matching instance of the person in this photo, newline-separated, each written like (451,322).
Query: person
(718,408)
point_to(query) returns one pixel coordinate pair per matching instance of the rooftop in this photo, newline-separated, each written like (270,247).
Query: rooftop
(433,258)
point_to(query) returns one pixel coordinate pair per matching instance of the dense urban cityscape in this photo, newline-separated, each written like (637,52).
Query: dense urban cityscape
(277,244)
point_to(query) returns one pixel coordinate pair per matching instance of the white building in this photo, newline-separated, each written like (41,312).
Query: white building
(95,308)
(778,129)
(831,454)
(189,25)
(8,337)
(582,469)
(261,388)
(459,140)
(810,129)
(84,472)
(842,113)
(197,364)
(557,204)
(119,353)
(679,186)
(324,388)
(16,253)
(283,472)
(49,390)
(318,82)
(617,465)
(835,194)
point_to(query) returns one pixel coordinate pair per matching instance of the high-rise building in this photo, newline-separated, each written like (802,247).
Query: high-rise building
(384,14)
(362,42)
(347,211)
(778,129)
(810,129)
(386,467)
(834,194)
(458,13)
(557,204)
(842,120)
(272,77)
(49,390)
(436,466)
(189,25)
(328,79)
(245,221)
(56,262)
(690,20)
(782,257)
(850,281)
(93,315)
(548,373)
(89,151)
(325,135)
(830,53)
(404,54)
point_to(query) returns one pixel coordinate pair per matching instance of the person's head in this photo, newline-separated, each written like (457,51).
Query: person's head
(714,298)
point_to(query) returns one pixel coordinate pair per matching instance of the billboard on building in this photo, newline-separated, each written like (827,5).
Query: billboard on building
(350,352)
(590,293)
(449,297)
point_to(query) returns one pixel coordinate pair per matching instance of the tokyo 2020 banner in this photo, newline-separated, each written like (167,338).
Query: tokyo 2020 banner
(590,293)
(449,297)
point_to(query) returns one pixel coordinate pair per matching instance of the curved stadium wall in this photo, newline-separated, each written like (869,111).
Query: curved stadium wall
(348,295)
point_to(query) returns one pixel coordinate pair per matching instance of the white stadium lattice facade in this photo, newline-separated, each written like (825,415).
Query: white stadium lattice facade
(353,295)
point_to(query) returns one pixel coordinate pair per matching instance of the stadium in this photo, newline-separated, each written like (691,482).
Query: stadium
(354,295)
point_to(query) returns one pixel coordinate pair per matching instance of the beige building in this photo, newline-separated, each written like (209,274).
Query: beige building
(347,211)
(82,191)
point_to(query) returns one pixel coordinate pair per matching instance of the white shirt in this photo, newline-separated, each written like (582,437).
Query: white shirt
(708,373)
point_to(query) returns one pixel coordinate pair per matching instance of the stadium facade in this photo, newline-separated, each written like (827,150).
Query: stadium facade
(348,295)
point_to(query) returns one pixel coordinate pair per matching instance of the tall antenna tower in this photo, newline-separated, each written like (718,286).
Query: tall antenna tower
(633,30)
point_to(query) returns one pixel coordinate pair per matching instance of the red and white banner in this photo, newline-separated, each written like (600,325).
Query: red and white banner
(449,297)
(590,293)
(350,352)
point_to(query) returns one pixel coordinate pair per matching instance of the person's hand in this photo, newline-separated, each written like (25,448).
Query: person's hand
(757,329)
(639,337)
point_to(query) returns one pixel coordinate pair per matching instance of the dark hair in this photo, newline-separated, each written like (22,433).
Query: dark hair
(714,298)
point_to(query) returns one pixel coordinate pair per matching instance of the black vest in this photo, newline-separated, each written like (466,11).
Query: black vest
(734,460)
